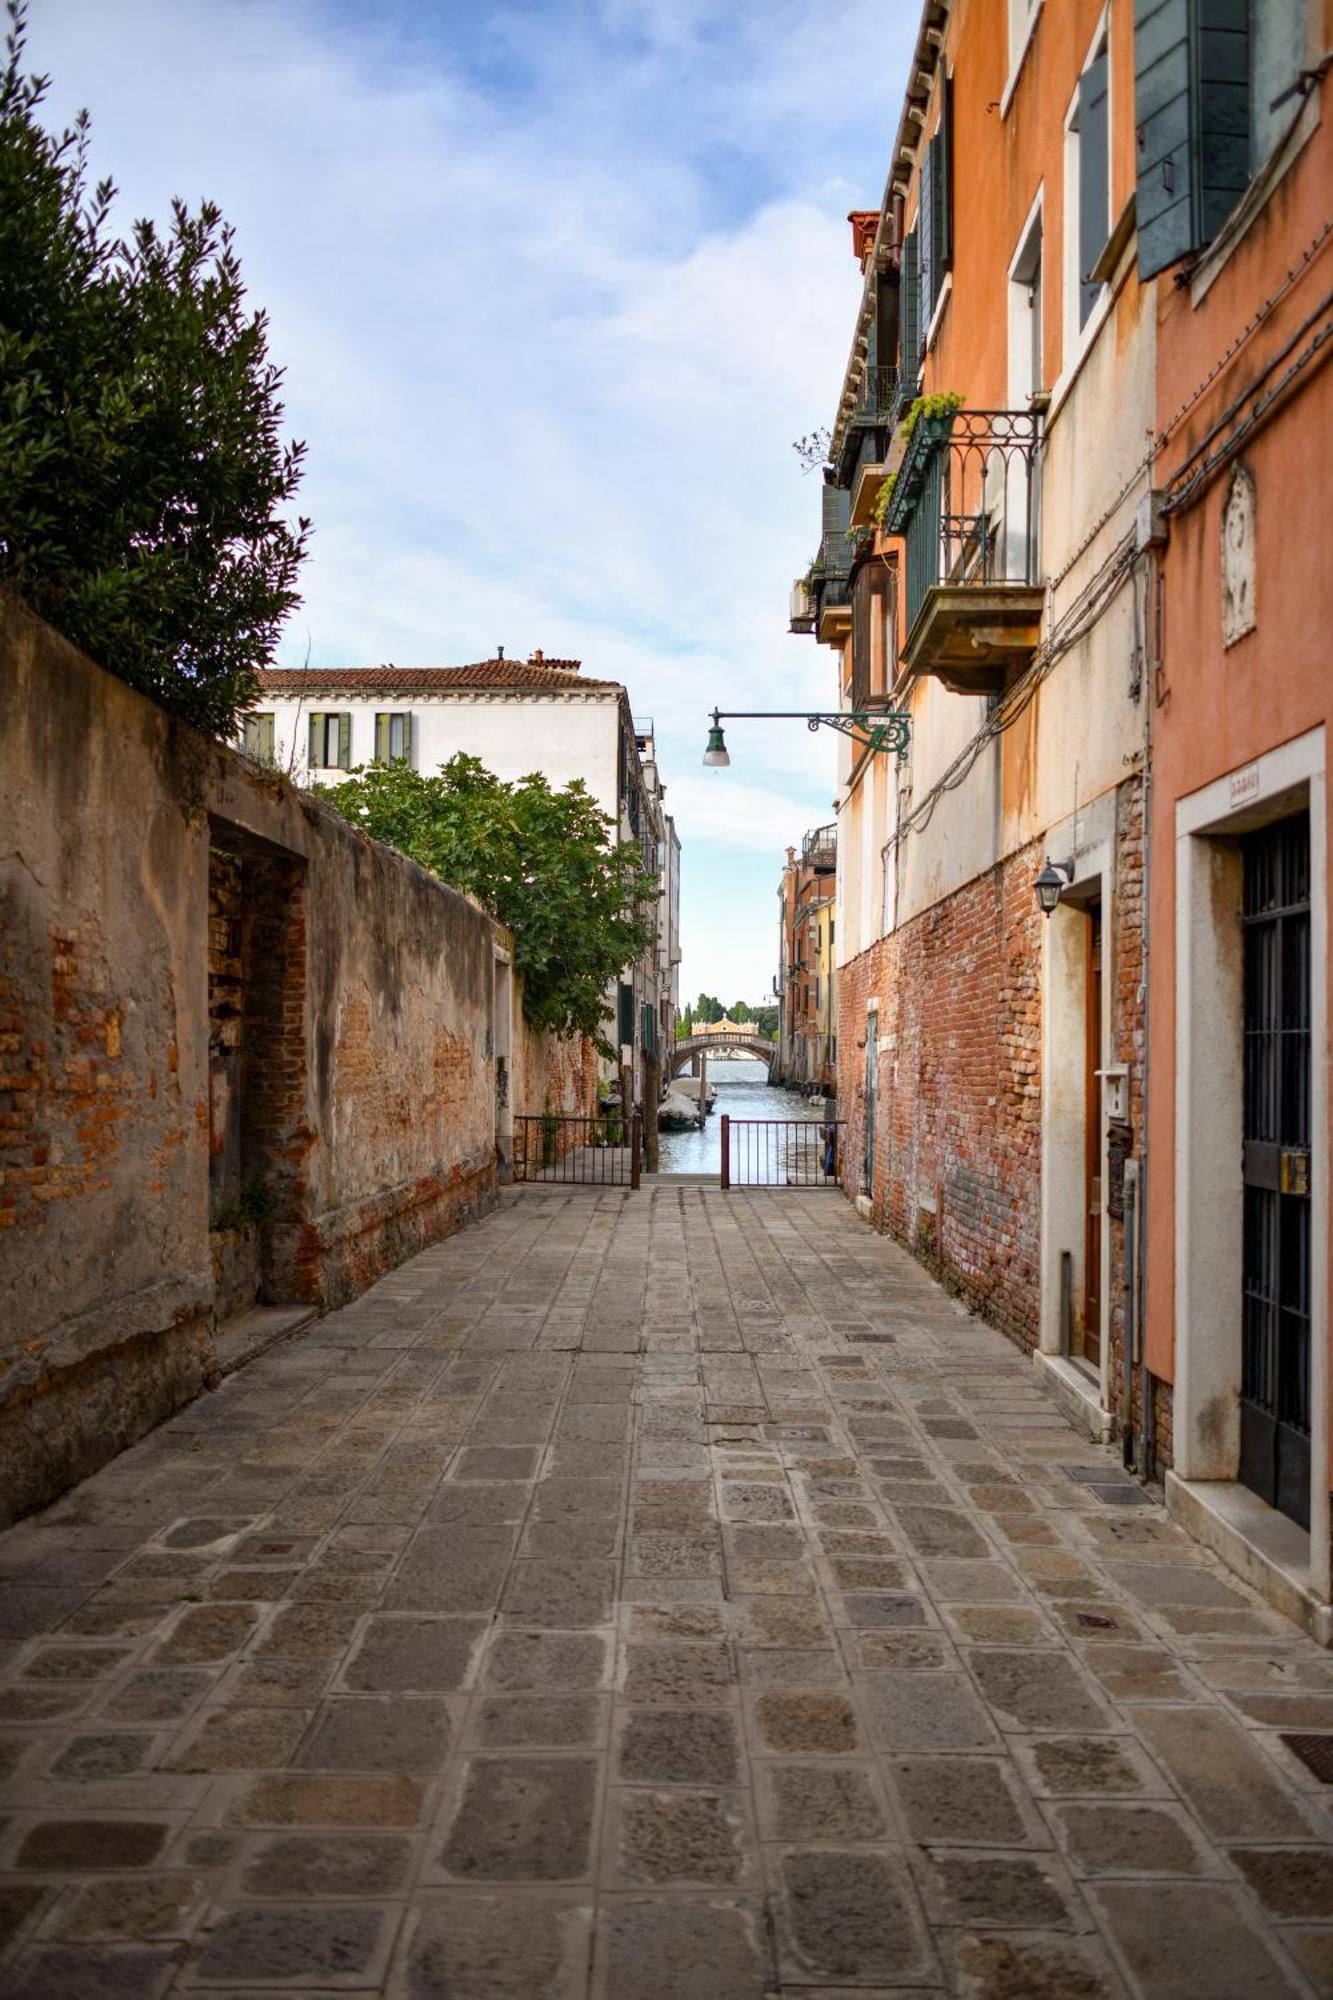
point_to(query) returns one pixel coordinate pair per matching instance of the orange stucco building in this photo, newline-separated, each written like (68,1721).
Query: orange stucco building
(1071,531)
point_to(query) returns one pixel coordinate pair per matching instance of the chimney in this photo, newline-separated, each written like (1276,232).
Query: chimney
(535,659)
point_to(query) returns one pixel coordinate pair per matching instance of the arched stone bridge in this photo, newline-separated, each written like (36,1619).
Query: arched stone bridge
(713,1045)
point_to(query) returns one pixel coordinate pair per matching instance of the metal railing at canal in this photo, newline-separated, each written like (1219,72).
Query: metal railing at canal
(605,1151)
(781,1152)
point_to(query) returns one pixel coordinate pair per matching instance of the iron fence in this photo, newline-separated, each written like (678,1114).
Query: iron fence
(781,1152)
(966,499)
(605,1151)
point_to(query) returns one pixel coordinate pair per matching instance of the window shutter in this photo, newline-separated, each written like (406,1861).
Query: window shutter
(1222,70)
(625,1029)
(910,301)
(943,193)
(1193,117)
(410,748)
(1094,190)
(344,742)
(315,722)
(925,235)
(381,739)
(267,744)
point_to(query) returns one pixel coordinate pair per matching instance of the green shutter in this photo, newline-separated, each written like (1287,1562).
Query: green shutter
(943,202)
(344,742)
(926,242)
(315,722)
(625,1027)
(381,739)
(1094,186)
(910,343)
(1222,70)
(1192,117)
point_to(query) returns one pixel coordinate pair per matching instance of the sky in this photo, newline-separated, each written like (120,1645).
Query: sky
(555,285)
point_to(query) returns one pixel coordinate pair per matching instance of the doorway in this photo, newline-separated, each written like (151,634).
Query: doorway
(871,1087)
(1275,1330)
(1086,1333)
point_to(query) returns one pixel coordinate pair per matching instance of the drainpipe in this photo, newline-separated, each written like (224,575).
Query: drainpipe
(1147,1466)
(1130,1323)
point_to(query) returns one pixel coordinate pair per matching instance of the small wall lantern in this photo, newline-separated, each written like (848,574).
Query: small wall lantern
(1051,884)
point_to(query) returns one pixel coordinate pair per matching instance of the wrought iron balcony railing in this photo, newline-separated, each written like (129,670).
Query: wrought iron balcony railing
(819,848)
(877,399)
(966,501)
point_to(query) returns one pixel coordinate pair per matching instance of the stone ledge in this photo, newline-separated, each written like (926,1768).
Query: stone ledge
(1078,1395)
(247,1335)
(1270,1552)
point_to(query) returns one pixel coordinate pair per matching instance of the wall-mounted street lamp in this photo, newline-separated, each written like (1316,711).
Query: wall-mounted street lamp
(1052,882)
(877,730)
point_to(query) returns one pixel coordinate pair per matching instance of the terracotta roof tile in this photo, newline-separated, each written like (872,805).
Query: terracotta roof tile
(562,674)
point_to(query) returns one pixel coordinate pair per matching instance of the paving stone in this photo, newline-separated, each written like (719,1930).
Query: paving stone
(68,1972)
(817,1723)
(329,1801)
(111,1755)
(680,1836)
(76,1663)
(941,1531)
(544,1662)
(1006,1891)
(879,1612)
(60,1844)
(905,1652)
(689,1949)
(328,1865)
(796,1667)
(559,1594)
(1036,1690)
(496,1462)
(952,1801)
(559,1497)
(1001,1625)
(1137,1673)
(395,1734)
(677,1673)
(310,1944)
(851,1914)
(467,1944)
(1175,1935)
(578,1538)
(935,1711)
(523,1819)
(672,1747)
(1030,1968)
(416,1655)
(1221,1775)
(308,1632)
(281,1683)
(19,1904)
(785,1622)
(243,1739)
(1289,1881)
(1086,1764)
(550,1722)
(675,1621)
(157,1695)
(151,1906)
(823,1802)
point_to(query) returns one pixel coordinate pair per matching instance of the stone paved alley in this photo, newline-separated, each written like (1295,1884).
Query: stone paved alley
(657,1597)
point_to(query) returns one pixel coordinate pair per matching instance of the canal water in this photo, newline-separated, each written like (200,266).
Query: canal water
(743,1091)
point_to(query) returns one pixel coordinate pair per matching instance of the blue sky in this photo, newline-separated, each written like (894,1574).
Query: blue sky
(555,285)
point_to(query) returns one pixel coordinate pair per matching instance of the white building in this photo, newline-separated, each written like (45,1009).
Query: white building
(516,716)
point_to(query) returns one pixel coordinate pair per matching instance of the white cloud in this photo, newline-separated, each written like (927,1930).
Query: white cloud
(555,286)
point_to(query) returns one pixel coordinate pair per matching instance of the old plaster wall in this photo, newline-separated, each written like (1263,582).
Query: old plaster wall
(362,1097)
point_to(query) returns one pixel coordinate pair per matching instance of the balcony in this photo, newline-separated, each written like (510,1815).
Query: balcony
(966,503)
(819,849)
(833,599)
(867,436)
(803,609)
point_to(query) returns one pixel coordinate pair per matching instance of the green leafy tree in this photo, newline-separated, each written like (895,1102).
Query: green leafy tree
(766,1021)
(707,1009)
(580,906)
(741,1012)
(144,484)
(685,1025)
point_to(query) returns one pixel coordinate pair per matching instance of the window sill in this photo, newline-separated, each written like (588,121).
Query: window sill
(1086,341)
(1016,66)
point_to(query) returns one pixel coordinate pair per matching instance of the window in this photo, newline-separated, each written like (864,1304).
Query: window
(1211,104)
(394,739)
(331,742)
(257,738)
(909,331)
(1022,14)
(935,211)
(625,1016)
(1087,191)
(1025,317)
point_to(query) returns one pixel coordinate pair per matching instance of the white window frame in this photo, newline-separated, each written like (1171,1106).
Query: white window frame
(328,719)
(1075,340)
(1022,21)
(407,719)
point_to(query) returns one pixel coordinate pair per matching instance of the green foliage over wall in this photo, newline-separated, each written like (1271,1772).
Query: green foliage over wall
(580,906)
(144,485)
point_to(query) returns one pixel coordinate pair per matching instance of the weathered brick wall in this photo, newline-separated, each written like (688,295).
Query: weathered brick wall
(958,1118)
(339,1085)
(957,1155)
